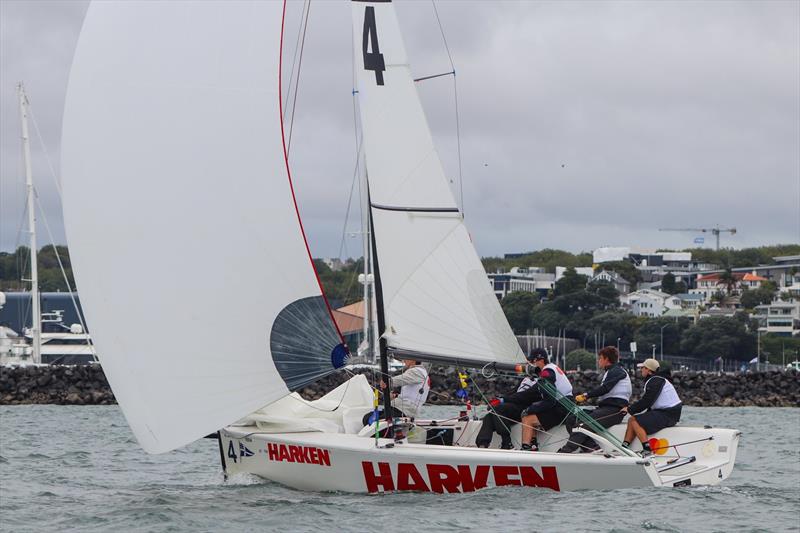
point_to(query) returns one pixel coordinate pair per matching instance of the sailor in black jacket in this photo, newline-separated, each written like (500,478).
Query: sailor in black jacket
(661,403)
(614,392)
(505,412)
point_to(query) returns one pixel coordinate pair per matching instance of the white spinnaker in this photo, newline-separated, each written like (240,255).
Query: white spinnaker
(182,230)
(437,297)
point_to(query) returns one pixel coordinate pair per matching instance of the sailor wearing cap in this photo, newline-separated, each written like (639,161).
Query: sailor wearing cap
(661,403)
(545,411)
(505,412)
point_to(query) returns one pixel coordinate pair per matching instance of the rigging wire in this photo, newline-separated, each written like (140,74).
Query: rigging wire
(455,98)
(66,281)
(294,63)
(297,79)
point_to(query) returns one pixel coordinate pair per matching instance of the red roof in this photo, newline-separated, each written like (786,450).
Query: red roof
(739,276)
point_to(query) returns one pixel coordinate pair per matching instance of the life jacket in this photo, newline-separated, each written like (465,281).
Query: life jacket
(562,382)
(622,389)
(668,396)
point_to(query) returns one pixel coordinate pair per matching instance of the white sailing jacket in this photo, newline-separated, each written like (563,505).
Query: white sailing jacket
(414,387)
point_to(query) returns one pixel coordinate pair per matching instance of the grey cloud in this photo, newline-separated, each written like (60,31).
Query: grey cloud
(662,113)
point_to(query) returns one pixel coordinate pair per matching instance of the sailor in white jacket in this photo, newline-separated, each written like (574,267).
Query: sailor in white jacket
(414,386)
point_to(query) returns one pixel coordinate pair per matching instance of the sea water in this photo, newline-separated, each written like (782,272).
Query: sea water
(75,468)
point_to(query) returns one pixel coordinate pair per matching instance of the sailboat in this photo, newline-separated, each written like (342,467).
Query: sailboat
(48,340)
(175,143)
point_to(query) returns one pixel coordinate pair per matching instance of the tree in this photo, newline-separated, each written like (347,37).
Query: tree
(719,337)
(605,290)
(680,288)
(614,325)
(753,297)
(518,307)
(626,270)
(727,280)
(580,360)
(570,282)
(668,283)
(649,333)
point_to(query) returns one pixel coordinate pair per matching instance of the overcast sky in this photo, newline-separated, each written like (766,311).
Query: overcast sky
(583,124)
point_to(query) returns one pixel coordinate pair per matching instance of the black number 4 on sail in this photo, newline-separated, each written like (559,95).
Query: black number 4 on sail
(372,60)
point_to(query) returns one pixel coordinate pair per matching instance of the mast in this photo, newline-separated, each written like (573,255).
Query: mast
(384,351)
(36,316)
(367,249)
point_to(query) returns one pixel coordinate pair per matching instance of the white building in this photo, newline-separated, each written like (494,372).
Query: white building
(621,284)
(533,279)
(649,303)
(780,318)
(583,271)
(710,284)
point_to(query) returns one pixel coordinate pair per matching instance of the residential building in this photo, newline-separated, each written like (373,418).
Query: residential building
(649,303)
(779,318)
(532,279)
(622,285)
(709,284)
(690,301)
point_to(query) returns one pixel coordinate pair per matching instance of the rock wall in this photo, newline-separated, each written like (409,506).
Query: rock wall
(87,385)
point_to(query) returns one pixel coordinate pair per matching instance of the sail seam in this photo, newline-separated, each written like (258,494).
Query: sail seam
(415,209)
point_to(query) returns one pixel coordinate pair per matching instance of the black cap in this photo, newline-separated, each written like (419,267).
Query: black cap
(538,353)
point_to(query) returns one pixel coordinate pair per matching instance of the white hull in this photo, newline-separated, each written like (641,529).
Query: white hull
(321,461)
(296,443)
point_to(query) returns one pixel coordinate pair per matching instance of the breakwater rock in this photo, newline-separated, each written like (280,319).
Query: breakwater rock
(87,385)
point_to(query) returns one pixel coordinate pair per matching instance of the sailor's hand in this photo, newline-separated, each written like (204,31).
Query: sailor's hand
(383,385)
(580,398)
(624,410)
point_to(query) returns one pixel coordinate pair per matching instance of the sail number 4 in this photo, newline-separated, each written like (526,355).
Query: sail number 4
(372,60)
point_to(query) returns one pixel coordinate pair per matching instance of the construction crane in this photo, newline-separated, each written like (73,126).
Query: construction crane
(714,231)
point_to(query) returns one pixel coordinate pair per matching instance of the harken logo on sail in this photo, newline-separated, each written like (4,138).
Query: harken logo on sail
(461,478)
(298,454)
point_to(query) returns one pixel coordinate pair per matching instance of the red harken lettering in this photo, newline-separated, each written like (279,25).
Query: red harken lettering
(298,454)
(447,478)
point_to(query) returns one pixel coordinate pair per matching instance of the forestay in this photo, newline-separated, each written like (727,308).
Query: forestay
(437,298)
(182,227)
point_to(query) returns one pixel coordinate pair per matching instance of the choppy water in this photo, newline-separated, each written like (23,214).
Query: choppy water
(79,468)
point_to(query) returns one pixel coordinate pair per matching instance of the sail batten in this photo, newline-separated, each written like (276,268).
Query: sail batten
(437,297)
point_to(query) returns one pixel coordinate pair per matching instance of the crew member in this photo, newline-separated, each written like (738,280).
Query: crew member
(613,393)
(414,385)
(661,403)
(546,412)
(504,413)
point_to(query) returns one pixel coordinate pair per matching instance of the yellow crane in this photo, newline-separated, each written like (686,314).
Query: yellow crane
(714,231)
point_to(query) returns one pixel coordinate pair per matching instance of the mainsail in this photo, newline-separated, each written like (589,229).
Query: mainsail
(437,299)
(183,232)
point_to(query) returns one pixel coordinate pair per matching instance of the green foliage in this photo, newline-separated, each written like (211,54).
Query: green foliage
(649,333)
(668,284)
(753,297)
(571,282)
(548,258)
(719,337)
(16,266)
(778,348)
(626,270)
(615,324)
(341,287)
(518,307)
(745,257)
(605,290)
(580,360)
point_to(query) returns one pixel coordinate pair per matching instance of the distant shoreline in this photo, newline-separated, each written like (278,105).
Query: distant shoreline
(87,385)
